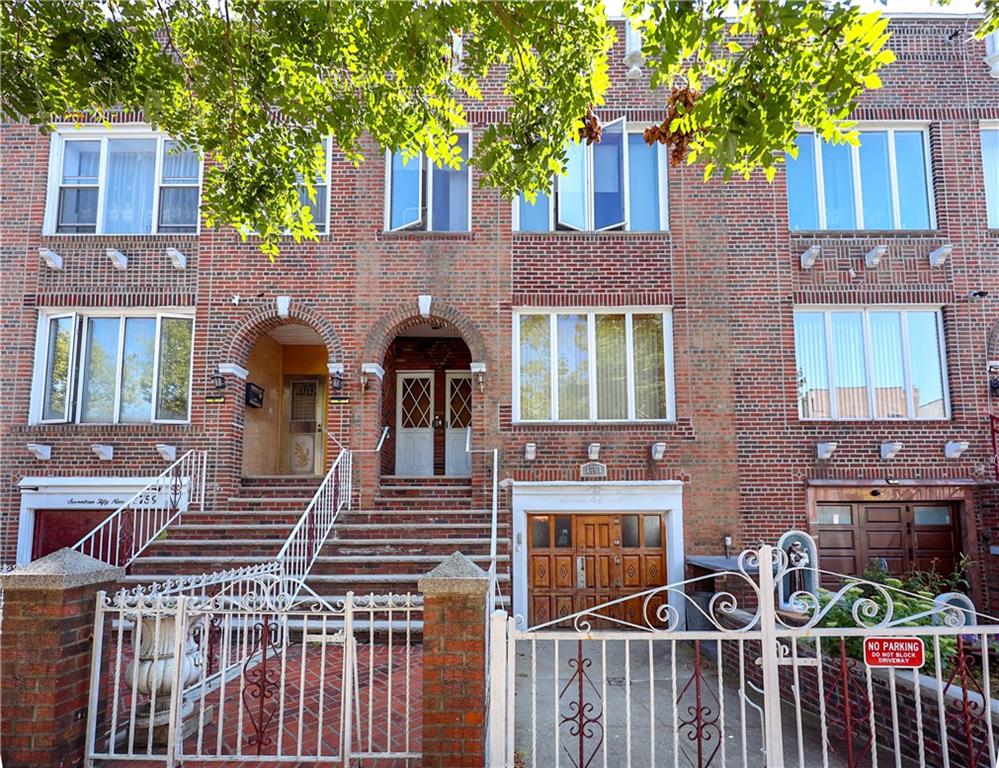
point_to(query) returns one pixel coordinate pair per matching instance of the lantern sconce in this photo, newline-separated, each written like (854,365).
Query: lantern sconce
(658,451)
(218,381)
(370,369)
(530,451)
(336,376)
(479,373)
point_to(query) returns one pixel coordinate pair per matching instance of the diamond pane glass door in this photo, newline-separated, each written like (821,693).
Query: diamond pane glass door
(414,444)
(458,461)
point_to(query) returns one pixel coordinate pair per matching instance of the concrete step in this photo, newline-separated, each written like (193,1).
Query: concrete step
(276,502)
(423,502)
(229,531)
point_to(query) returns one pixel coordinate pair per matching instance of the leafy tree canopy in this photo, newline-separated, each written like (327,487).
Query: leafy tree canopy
(257,84)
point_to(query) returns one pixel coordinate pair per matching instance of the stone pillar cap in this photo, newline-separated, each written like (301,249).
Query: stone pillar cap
(63,569)
(456,576)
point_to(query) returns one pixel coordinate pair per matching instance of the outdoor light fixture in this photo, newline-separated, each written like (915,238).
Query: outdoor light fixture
(890,450)
(593,451)
(370,369)
(218,380)
(166,452)
(977,295)
(940,255)
(873,257)
(336,376)
(423,301)
(530,452)
(283,304)
(178,259)
(825,451)
(808,257)
(479,372)
(658,451)
(104,452)
(118,259)
(40,451)
(52,259)
(954,448)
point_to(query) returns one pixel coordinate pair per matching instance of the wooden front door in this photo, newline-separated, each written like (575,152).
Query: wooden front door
(577,562)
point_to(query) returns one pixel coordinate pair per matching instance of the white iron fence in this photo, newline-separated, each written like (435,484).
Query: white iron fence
(127,531)
(623,684)
(261,676)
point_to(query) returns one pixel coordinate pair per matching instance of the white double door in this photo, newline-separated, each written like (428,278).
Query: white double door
(416,422)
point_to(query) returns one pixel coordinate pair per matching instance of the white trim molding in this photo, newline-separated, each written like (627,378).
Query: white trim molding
(373,369)
(233,369)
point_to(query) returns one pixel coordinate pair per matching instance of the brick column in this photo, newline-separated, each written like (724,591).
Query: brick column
(45,655)
(454,664)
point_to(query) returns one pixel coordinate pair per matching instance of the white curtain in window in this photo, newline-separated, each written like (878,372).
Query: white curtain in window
(101,370)
(925,366)
(128,197)
(535,367)
(612,367)
(813,373)
(887,367)
(850,371)
(650,366)
(573,368)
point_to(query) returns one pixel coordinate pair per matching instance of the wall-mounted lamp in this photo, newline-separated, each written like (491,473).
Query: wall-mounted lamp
(177,259)
(890,450)
(370,369)
(40,451)
(658,451)
(824,451)
(873,256)
(954,448)
(593,451)
(104,452)
(118,259)
(283,305)
(808,257)
(52,259)
(530,452)
(217,380)
(336,376)
(940,255)
(166,452)
(479,373)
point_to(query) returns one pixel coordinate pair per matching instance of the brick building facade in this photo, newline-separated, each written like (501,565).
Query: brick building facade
(718,288)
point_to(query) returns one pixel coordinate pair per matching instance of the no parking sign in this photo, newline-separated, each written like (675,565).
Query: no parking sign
(894,652)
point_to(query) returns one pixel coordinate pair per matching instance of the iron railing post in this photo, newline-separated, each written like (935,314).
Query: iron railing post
(768,659)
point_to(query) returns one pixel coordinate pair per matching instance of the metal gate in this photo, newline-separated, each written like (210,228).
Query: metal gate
(261,671)
(757,686)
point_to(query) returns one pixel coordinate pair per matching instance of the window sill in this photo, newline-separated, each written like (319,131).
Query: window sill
(613,424)
(595,235)
(422,234)
(866,234)
(105,426)
(884,420)
(90,236)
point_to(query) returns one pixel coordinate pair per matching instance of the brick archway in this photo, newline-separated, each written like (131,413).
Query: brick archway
(407,316)
(264,319)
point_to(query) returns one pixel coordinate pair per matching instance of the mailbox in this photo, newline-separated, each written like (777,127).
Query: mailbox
(254,395)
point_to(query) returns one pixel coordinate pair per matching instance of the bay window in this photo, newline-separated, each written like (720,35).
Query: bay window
(122,182)
(870,363)
(585,365)
(424,196)
(107,368)
(990,160)
(616,184)
(884,183)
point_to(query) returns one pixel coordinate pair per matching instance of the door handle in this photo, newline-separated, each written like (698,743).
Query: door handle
(581,572)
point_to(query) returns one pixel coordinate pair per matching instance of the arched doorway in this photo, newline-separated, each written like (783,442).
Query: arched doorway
(427,396)
(286,396)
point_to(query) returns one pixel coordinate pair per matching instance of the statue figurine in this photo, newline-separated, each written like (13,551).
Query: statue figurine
(797,557)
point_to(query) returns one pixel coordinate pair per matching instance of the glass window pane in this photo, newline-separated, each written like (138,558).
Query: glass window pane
(57,366)
(813,371)
(534,217)
(848,359)
(875,180)
(608,178)
(318,207)
(535,367)
(128,199)
(612,367)
(180,166)
(563,532)
(540,535)
(650,366)
(450,204)
(932,515)
(925,365)
(837,183)
(910,162)
(174,390)
(81,162)
(573,368)
(652,533)
(644,196)
(572,189)
(137,370)
(77,210)
(887,370)
(990,158)
(839,514)
(802,188)
(407,182)
(629,531)
(178,209)
(101,370)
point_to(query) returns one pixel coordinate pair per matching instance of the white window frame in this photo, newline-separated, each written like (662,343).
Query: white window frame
(64,134)
(858,200)
(590,313)
(426,192)
(662,167)
(78,358)
(992,126)
(866,310)
(323,225)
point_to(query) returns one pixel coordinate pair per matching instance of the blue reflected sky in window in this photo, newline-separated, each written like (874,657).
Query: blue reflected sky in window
(875,180)
(813,373)
(643,184)
(837,177)
(405,196)
(848,359)
(887,370)
(925,365)
(802,197)
(572,188)
(450,203)
(990,157)
(608,178)
(910,164)
(534,217)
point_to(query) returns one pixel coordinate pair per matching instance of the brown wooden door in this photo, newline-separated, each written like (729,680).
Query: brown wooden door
(58,528)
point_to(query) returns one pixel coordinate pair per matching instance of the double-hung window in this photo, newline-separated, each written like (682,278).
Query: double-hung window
(122,183)
(884,183)
(109,368)
(990,160)
(585,365)
(318,207)
(870,363)
(424,196)
(617,183)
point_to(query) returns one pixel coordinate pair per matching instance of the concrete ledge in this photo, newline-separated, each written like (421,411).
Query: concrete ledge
(65,569)
(455,576)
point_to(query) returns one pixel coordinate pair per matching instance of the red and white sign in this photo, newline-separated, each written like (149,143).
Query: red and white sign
(896,652)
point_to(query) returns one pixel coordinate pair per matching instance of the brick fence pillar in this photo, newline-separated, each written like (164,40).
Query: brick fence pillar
(45,655)
(454,664)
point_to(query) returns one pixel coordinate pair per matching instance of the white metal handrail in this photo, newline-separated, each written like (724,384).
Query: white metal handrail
(307,538)
(127,531)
